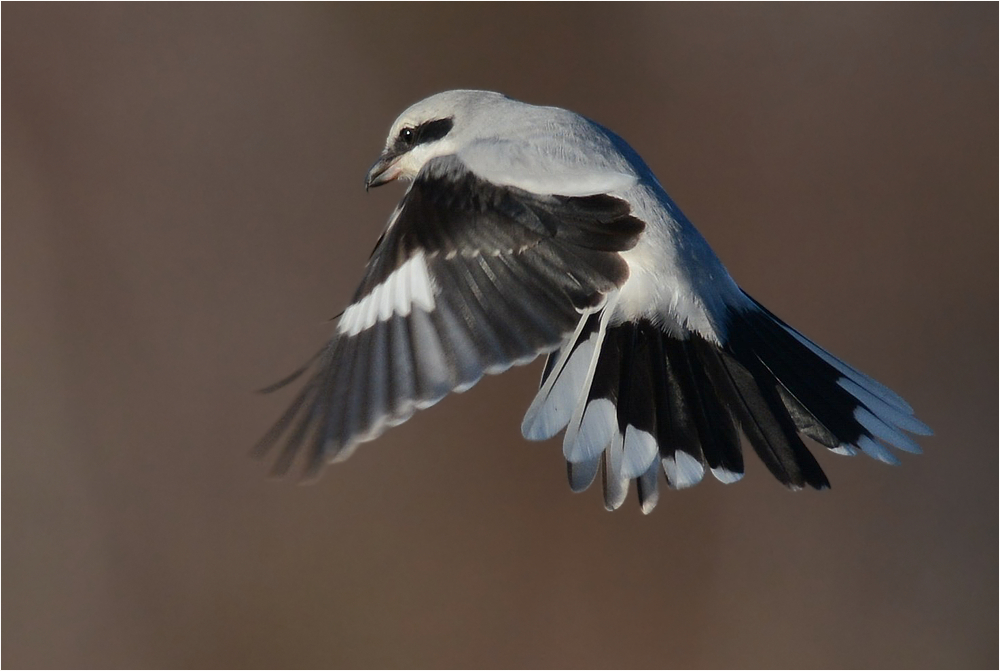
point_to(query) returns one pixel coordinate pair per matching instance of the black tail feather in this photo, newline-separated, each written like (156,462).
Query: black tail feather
(675,428)
(749,391)
(822,407)
(720,440)
(636,403)
(646,487)
(825,398)
(615,485)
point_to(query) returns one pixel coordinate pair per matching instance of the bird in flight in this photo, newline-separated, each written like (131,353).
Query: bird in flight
(530,231)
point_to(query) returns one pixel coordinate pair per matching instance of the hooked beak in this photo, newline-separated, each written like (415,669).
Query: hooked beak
(383,170)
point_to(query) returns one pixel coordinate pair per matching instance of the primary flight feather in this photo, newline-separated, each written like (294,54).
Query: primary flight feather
(531,230)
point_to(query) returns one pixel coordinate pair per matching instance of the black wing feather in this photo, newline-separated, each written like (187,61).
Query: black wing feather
(511,273)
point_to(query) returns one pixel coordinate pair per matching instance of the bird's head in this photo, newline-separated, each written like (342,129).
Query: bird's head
(432,127)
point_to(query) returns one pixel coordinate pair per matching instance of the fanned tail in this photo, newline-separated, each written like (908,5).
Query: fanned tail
(634,400)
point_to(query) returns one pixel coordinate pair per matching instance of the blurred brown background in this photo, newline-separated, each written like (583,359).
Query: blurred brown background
(183,207)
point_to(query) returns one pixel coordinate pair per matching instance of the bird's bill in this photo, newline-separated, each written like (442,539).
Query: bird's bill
(383,171)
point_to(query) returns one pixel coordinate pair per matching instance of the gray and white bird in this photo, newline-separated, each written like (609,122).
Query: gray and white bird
(531,230)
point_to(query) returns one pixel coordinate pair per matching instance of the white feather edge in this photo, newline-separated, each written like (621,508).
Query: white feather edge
(640,450)
(872,385)
(649,482)
(682,470)
(573,428)
(597,428)
(542,420)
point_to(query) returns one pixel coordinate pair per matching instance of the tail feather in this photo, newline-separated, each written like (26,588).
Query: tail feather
(635,399)
(720,440)
(833,402)
(562,381)
(636,406)
(646,485)
(805,377)
(582,474)
(750,392)
(680,448)
(879,389)
(615,481)
(806,423)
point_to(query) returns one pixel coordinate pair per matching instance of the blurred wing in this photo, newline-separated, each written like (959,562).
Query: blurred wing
(469,278)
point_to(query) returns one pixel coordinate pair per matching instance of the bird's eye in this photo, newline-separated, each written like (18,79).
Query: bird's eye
(407,136)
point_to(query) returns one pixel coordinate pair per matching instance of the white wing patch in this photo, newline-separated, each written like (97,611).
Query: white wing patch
(408,286)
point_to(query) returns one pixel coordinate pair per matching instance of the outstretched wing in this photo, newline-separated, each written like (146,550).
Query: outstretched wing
(469,278)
